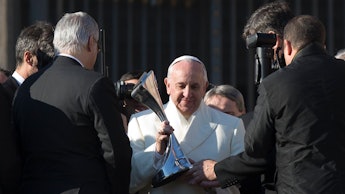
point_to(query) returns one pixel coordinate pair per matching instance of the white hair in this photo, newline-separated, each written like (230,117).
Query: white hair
(340,54)
(72,32)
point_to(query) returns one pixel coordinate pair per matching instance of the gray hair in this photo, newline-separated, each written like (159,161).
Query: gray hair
(272,16)
(72,32)
(229,92)
(340,54)
(190,59)
(36,38)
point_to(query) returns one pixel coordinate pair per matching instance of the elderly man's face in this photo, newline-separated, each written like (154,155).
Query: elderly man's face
(186,86)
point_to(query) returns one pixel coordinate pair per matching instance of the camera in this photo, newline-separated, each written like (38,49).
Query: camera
(261,40)
(123,90)
(264,63)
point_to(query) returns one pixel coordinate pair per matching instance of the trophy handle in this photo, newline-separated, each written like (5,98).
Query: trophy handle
(146,92)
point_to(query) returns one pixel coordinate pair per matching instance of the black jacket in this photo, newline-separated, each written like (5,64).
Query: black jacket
(10,165)
(10,86)
(71,132)
(300,113)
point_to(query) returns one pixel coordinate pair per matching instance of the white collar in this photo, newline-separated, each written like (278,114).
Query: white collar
(178,115)
(18,77)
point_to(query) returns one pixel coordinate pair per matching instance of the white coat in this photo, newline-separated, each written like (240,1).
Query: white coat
(208,134)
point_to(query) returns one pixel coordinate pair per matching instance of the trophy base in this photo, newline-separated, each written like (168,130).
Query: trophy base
(160,179)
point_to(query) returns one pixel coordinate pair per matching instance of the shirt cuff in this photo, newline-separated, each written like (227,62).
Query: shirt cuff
(158,160)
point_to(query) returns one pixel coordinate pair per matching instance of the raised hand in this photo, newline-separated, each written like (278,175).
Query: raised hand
(162,137)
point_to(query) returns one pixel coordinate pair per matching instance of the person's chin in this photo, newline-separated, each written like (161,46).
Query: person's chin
(187,108)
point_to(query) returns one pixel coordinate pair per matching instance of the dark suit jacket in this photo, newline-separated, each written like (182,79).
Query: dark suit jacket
(300,112)
(10,158)
(10,86)
(257,175)
(71,132)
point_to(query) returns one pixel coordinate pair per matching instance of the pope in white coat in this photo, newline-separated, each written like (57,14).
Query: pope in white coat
(202,132)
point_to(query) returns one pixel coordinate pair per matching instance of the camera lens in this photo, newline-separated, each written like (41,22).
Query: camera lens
(123,90)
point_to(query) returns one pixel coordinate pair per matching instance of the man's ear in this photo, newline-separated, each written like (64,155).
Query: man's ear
(206,85)
(288,47)
(28,58)
(89,43)
(279,42)
(167,85)
(289,52)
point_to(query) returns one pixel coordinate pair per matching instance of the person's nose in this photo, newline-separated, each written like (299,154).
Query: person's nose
(187,91)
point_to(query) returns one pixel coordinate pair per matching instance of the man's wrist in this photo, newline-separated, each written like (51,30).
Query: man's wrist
(158,160)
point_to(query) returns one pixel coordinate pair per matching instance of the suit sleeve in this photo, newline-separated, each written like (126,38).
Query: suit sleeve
(235,169)
(260,134)
(259,141)
(114,141)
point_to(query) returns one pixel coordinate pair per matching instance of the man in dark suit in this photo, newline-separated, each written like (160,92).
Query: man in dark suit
(300,112)
(10,159)
(70,129)
(34,48)
(269,18)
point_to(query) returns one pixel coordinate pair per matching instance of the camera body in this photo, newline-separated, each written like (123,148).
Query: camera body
(123,90)
(264,63)
(261,40)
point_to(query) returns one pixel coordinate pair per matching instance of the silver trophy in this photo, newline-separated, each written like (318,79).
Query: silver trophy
(175,162)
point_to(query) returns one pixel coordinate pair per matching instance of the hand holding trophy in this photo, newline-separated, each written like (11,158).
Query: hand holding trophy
(175,162)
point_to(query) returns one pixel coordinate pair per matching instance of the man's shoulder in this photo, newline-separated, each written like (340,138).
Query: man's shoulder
(10,83)
(70,69)
(10,86)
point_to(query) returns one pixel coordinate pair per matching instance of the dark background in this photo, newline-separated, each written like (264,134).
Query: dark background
(149,34)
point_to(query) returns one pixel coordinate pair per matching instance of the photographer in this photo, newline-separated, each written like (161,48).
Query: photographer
(302,117)
(123,89)
(268,20)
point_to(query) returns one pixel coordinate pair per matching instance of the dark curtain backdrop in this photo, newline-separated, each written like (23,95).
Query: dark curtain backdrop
(149,34)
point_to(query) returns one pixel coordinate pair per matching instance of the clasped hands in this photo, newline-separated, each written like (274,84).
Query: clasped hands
(201,174)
